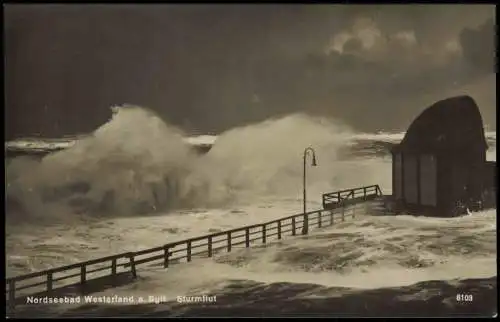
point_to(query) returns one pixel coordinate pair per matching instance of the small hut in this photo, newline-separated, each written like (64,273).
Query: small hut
(440,168)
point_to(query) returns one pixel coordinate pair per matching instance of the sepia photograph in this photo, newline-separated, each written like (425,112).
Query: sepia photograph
(250,160)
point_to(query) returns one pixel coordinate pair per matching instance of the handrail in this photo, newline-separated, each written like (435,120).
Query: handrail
(230,238)
(351,191)
(69,267)
(338,197)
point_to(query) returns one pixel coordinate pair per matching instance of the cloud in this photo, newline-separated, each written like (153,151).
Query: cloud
(216,67)
(374,79)
(366,39)
(478,46)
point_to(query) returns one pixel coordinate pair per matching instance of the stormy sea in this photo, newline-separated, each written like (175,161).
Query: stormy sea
(138,182)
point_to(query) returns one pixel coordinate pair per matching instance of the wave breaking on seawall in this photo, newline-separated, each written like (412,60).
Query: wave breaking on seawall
(138,164)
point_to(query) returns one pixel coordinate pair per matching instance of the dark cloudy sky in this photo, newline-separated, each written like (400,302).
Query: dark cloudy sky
(213,67)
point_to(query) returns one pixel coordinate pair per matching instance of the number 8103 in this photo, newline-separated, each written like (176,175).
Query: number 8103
(464,298)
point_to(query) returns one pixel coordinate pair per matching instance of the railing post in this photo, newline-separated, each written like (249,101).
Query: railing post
(293,226)
(279,229)
(343,213)
(228,241)
(364,193)
(209,243)
(188,250)
(83,273)
(113,266)
(247,237)
(12,293)
(166,255)
(132,265)
(50,278)
(264,233)
(331,218)
(319,219)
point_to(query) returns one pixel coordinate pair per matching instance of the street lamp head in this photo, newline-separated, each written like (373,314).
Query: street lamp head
(314,163)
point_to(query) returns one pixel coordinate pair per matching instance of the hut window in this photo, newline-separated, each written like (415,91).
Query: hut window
(428,180)
(410,179)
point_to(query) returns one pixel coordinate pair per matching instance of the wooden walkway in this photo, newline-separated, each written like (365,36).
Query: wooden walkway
(111,271)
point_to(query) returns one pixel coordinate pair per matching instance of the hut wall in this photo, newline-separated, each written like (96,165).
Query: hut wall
(444,186)
(459,182)
(410,179)
(428,180)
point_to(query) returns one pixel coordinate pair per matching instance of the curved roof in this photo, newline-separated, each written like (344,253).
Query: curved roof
(453,124)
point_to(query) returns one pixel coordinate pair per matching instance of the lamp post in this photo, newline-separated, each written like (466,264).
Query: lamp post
(305,227)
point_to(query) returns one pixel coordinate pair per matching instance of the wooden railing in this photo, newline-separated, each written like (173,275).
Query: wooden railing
(79,274)
(44,282)
(341,198)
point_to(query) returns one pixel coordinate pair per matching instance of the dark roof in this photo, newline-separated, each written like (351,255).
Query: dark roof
(450,125)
